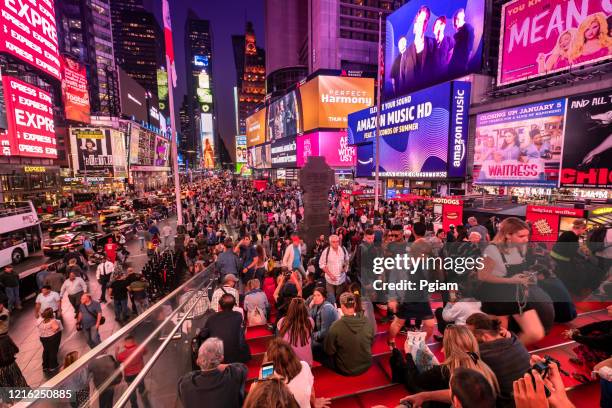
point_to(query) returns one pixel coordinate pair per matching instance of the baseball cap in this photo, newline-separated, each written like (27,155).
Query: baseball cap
(230,277)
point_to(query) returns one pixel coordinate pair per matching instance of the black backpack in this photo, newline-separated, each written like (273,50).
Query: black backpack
(597,239)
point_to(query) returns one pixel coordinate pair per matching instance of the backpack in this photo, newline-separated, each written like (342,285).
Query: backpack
(256,317)
(597,240)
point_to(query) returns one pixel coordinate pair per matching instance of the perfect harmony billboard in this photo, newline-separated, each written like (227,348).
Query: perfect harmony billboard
(548,36)
(423,135)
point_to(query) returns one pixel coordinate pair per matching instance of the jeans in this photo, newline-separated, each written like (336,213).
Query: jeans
(141,305)
(75,301)
(334,291)
(93,337)
(121,309)
(103,283)
(106,397)
(13,297)
(50,348)
(141,389)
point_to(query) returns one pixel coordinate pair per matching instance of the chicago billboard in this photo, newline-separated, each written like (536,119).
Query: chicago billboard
(423,135)
(241,149)
(587,150)
(429,42)
(283,153)
(31,129)
(284,117)
(520,146)
(256,128)
(331,145)
(74,91)
(327,100)
(548,36)
(29,33)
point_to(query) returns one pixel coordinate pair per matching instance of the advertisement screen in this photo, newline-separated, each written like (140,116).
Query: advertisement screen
(3,120)
(74,91)
(92,151)
(31,129)
(327,100)
(520,146)
(29,33)
(546,221)
(587,151)
(207,141)
(548,36)
(256,128)
(241,149)
(119,153)
(424,135)
(365,160)
(162,90)
(283,153)
(203,90)
(260,157)
(331,145)
(162,149)
(284,117)
(432,41)
(133,97)
(142,146)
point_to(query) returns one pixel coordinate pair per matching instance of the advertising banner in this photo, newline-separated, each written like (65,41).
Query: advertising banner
(162,148)
(547,223)
(256,128)
(283,153)
(331,145)
(3,120)
(92,151)
(548,36)
(424,134)
(587,150)
(207,141)
(261,157)
(31,129)
(365,160)
(120,168)
(142,147)
(327,100)
(260,185)
(520,146)
(241,149)
(284,117)
(430,42)
(74,91)
(133,97)
(28,32)
(243,169)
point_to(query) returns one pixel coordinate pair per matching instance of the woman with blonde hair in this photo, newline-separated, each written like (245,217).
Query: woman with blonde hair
(559,57)
(461,351)
(592,40)
(505,284)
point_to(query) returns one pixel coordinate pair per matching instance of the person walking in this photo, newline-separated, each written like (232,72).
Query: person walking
(10,374)
(74,287)
(10,280)
(54,279)
(166,232)
(334,263)
(132,357)
(90,319)
(103,274)
(48,299)
(119,293)
(50,333)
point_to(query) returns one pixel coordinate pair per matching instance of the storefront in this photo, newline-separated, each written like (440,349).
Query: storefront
(39,183)
(144,178)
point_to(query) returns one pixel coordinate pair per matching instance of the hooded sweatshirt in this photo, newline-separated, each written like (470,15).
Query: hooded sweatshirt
(349,343)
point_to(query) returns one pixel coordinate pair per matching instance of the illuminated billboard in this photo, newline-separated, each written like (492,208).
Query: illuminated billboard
(283,153)
(327,100)
(207,141)
(549,36)
(331,145)
(162,149)
(98,151)
(520,146)
(203,91)
(3,121)
(31,128)
(241,149)
(256,128)
(74,91)
(162,89)
(284,117)
(200,60)
(430,42)
(259,157)
(133,97)
(28,32)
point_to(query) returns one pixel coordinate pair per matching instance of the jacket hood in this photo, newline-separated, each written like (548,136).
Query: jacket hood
(355,324)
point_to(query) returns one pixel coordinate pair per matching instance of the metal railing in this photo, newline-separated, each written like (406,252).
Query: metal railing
(155,329)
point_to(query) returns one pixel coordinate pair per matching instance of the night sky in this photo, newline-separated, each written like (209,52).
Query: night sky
(227,18)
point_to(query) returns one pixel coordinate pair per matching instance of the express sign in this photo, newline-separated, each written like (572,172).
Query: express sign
(28,32)
(31,130)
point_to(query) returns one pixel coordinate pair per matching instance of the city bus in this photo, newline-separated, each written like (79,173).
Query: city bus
(20,232)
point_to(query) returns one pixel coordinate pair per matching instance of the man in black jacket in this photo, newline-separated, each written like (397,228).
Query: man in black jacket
(225,325)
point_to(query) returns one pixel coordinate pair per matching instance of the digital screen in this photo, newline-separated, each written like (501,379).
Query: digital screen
(520,146)
(162,147)
(365,160)
(200,60)
(259,157)
(31,128)
(207,140)
(284,117)
(587,149)
(430,42)
(241,149)
(548,36)
(29,33)
(423,135)
(92,151)
(133,97)
(74,91)
(162,89)
(3,120)
(142,146)
(283,153)
(327,100)
(256,128)
(331,145)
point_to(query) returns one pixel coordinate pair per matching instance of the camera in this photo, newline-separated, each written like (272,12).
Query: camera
(543,367)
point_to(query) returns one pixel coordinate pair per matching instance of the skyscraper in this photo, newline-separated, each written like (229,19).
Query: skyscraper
(250,70)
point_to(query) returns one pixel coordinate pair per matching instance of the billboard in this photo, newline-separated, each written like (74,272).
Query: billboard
(203,90)
(424,134)
(241,149)
(142,146)
(256,128)
(259,157)
(133,97)
(327,100)
(162,90)
(74,91)
(29,33)
(283,153)
(587,150)
(520,146)
(429,42)
(547,223)
(549,36)
(31,129)
(3,120)
(92,152)
(207,141)
(331,145)
(162,149)
(365,160)
(284,117)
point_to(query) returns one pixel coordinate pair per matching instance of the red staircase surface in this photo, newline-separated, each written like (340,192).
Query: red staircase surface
(374,387)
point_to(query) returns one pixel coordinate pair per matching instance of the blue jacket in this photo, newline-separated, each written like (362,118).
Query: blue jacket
(324,315)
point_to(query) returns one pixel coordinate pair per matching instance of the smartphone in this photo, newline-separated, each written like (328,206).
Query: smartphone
(267,370)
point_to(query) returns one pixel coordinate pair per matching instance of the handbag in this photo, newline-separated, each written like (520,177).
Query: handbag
(256,317)
(102,319)
(415,345)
